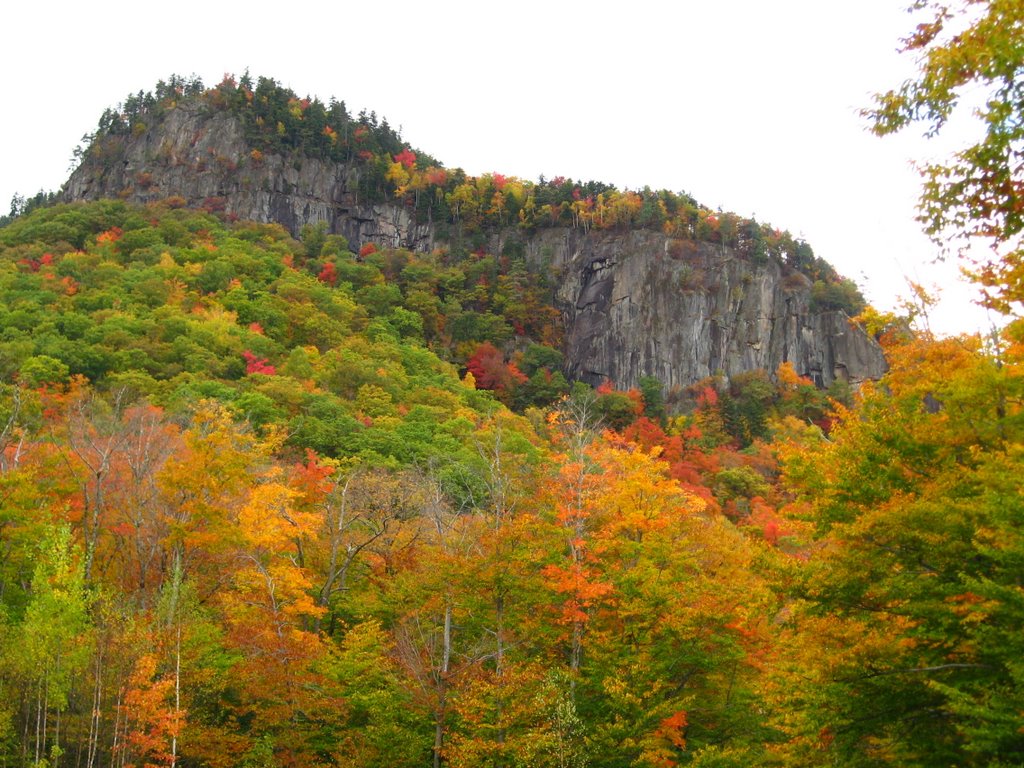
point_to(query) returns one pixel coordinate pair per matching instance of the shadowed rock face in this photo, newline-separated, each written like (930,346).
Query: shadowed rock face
(204,159)
(634,303)
(631,309)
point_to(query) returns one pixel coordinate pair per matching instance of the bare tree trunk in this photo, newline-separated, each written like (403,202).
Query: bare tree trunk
(499,665)
(177,699)
(9,435)
(26,708)
(94,718)
(114,745)
(56,742)
(39,716)
(442,695)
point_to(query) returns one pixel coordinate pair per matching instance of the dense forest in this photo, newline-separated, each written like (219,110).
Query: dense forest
(349,488)
(252,517)
(269,501)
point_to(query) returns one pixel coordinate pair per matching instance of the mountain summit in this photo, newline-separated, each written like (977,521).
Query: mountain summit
(646,283)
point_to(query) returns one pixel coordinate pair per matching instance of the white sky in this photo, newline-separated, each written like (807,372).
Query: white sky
(748,105)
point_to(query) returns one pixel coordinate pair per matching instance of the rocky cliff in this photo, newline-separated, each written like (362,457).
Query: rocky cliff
(641,304)
(635,303)
(204,158)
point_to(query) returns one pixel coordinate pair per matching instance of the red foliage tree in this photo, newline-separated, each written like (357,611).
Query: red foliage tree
(437,176)
(407,158)
(328,274)
(255,364)
(490,371)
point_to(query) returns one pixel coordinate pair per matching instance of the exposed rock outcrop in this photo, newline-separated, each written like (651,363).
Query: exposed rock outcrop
(204,159)
(635,303)
(641,304)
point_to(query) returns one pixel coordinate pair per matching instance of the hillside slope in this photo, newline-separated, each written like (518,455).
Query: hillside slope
(648,284)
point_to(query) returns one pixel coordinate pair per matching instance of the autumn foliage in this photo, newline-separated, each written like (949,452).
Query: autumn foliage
(268,501)
(490,371)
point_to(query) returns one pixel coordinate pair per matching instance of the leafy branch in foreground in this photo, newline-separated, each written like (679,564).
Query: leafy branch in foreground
(967,50)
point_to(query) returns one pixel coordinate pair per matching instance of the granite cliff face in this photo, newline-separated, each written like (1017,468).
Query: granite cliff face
(641,304)
(204,159)
(635,303)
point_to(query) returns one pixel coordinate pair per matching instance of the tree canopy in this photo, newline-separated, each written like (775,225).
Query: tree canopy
(970,56)
(269,503)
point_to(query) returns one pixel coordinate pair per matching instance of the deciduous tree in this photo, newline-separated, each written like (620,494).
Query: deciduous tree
(971,57)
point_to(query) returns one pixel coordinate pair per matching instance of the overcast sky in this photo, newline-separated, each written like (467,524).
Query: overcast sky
(748,105)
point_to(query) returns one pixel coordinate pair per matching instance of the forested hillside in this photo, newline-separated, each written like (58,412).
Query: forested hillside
(627,284)
(251,518)
(277,499)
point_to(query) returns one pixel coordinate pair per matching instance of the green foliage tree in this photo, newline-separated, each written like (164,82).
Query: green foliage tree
(654,398)
(53,643)
(900,654)
(745,406)
(839,294)
(969,51)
